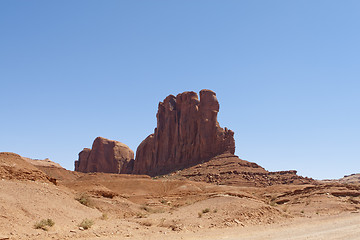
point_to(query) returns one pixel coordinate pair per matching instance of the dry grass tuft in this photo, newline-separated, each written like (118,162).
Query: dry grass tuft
(44,224)
(86,223)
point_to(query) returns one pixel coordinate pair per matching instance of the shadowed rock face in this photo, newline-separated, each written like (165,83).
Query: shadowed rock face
(106,156)
(187,133)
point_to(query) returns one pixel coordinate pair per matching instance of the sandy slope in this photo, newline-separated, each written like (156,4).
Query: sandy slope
(23,203)
(140,207)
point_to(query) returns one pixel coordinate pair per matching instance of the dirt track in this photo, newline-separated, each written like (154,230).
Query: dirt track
(345,226)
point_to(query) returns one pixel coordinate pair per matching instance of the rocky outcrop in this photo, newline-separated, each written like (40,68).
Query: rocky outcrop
(14,167)
(187,133)
(229,169)
(106,156)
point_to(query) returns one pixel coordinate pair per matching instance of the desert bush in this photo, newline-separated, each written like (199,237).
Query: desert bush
(206,210)
(152,210)
(273,203)
(44,224)
(84,200)
(146,223)
(104,216)
(199,214)
(86,223)
(141,215)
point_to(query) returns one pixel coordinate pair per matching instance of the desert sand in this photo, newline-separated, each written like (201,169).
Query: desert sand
(140,207)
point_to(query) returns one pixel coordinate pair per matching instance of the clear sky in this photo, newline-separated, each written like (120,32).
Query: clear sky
(286,74)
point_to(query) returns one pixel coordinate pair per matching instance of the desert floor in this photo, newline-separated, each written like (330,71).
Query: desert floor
(140,207)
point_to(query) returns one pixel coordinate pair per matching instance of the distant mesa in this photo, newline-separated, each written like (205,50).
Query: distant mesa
(106,156)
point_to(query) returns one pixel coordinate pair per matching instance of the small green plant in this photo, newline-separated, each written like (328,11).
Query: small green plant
(206,210)
(84,200)
(86,223)
(44,224)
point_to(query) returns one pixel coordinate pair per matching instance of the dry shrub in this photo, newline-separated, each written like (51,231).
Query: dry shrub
(86,223)
(44,224)
(206,210)
(84,199)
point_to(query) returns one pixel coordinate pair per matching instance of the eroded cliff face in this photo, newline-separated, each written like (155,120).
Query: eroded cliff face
(187,133)
(106,156)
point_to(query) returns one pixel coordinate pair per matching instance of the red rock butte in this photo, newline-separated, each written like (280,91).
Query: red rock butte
(107,156)
(187,133)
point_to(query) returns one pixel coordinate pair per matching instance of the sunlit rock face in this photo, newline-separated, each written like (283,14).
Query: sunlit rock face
(187,133)
(106,156)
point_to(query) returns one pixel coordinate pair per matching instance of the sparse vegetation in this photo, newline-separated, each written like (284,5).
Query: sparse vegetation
(104,216)
(84,199)
(273,201)
(215,210)
(146,223)
(141,215)
(146,208)
(206,210)
(162,222)
(86,223)
(44,224)
(151,210)
(199,214)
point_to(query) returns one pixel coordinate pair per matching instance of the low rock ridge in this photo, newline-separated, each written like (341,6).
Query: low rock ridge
(229,169)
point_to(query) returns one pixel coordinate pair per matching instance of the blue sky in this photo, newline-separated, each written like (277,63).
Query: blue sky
(286,73)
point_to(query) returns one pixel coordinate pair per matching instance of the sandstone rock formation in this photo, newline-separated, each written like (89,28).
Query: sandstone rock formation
(14,167)
(187,133)
(229,169)
(106,156)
